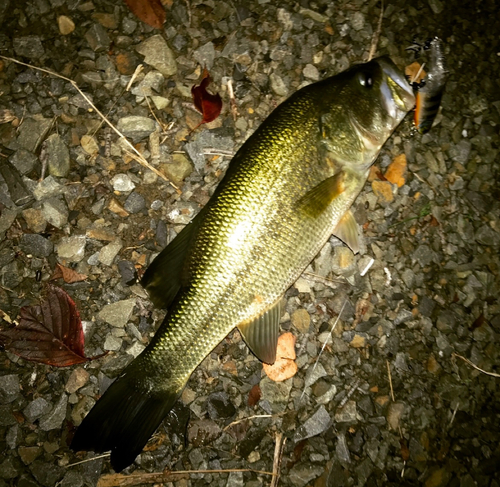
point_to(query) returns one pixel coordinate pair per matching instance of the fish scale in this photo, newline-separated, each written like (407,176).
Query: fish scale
(285,191)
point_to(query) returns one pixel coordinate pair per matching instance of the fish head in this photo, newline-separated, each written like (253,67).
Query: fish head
(371,100)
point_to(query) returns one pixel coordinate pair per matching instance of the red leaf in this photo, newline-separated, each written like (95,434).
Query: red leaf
(149,11)
(51,333)
(207,104)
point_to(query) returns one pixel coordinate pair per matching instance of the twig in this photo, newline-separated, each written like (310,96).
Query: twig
(324,343)
(134,76)
(246,419)
(367,268)
(232,99)
(322,280)
(213,151)
(278,453)
(139,157)
(123,480)
(390,380)
(418,73)
(376,36)
(454,414)
(388,276)
(88,460)
(475,366)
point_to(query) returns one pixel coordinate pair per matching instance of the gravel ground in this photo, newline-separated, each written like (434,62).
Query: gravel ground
(389,402)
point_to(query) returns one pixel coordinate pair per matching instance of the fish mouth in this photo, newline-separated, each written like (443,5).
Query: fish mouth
(398,94)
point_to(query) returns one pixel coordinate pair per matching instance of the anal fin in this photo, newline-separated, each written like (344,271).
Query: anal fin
(261,334)
(347,231)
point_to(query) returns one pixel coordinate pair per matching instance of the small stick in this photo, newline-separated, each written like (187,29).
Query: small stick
(232,99)
(278,454)
(213,151)
(418,73)
(390,381)
(138,478)
(367,268)
(388,274)
(140,158)
(324,344)
(322,280)
(246,419)
(152,112)
(475,366)
(373,47)
(134,76)
(88,460)
(453,415)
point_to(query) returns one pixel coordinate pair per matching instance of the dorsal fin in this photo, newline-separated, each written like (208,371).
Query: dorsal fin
(167,274)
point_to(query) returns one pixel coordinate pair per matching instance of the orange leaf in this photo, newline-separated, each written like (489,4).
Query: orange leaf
(207,104)
(150,12)
(284,367)
(396,171)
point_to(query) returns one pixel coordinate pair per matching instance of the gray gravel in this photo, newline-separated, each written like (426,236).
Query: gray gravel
(389,401)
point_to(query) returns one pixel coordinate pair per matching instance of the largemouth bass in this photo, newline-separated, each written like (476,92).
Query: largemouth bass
(286,190)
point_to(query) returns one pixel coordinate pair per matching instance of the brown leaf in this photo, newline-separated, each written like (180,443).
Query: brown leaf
(285,366)
(150,12)
(405,451)
(254,395)
(207,104)
(51,333)
(69,275)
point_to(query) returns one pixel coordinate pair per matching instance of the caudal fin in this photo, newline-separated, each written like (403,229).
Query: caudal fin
(124,418)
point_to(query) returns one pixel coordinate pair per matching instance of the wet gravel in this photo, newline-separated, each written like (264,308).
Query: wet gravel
(388,402)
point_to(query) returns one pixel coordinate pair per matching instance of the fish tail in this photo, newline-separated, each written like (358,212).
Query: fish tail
(125,417)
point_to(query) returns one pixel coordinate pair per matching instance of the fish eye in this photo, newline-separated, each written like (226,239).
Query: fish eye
(365,79)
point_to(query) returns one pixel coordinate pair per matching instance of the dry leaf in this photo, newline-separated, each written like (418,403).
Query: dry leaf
(254,395)
(285,366)
(150,12)
(69,275)
(397,170)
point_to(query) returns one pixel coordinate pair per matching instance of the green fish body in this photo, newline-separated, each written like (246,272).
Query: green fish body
(288,188)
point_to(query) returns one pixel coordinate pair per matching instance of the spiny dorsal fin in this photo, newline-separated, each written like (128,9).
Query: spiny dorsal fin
(347,231)
(261,334)
(166,274)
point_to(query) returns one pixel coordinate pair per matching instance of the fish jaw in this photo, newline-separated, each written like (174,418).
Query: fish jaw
(398,94)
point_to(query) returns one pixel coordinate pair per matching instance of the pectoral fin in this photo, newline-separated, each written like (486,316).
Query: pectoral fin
(315,201)
(261,334)
(347,231)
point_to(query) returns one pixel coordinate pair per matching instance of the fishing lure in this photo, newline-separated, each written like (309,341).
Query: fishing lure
(430,91)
